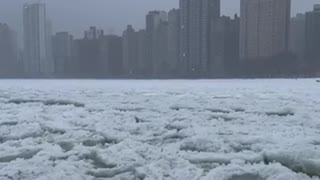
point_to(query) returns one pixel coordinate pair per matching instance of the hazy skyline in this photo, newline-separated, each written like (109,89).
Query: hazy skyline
(75,16)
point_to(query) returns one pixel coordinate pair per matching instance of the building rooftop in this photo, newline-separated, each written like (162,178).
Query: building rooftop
(316,7)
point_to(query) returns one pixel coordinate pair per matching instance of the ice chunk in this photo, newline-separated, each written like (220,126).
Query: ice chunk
(199,145)
(98,161)
(307,162)
(109,173)
(248,157)
(178,125)
(215,110)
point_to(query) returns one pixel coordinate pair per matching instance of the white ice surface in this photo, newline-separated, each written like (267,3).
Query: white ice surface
(160,130)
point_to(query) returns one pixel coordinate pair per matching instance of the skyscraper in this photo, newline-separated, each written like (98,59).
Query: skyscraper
(153,20)
(297,37)
(313,38)
(93,33)
(111,55)
(62,47)
(160,52)
(196,17)
(9,66)
(142,54)
(224,50)
(264,28)
(173,41)
(87,51)
(37,41)
(130,51)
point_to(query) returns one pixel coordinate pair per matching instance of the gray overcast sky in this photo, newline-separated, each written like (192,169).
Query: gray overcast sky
(111,15)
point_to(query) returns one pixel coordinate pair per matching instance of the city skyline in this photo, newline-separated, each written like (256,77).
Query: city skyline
(99,13)
(194,40)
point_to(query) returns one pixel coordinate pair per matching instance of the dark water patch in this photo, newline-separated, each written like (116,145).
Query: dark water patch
(66,146)
(23,101)
(281,113)
(139,120)
(246,177)
(94,142)
(53,102)
(12,123)
(178,108)
(238,109)
(129,109)
(28,154)
(316,142)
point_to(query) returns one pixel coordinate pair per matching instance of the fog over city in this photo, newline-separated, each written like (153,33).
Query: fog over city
(112,15)
(159,89)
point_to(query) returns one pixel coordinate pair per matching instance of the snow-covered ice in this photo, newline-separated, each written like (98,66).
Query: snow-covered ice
(160,130)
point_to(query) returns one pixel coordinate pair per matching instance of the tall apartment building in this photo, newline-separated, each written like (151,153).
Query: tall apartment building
(87,54)
(313,38)
(130,52)
(264,28)
(111,56)
(195,20)
(9,65)
(297,37)
(93,33)
(224,56)
(38,59)
(173,41)
(160,52)
(153,20)
(62,50)
(142,66)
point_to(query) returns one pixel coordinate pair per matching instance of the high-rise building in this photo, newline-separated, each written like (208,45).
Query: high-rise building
(224,56)
(313,38)
(87,54)
(195,20)
(297,37)
(142,54)
(153,20)
(160,52)
(111,56)
(264,28)
(93,33)
(173,41)
(9,65)
(130,52)
(62,47)
(37,40)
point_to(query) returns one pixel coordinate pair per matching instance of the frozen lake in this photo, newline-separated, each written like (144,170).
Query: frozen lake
(160,130)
